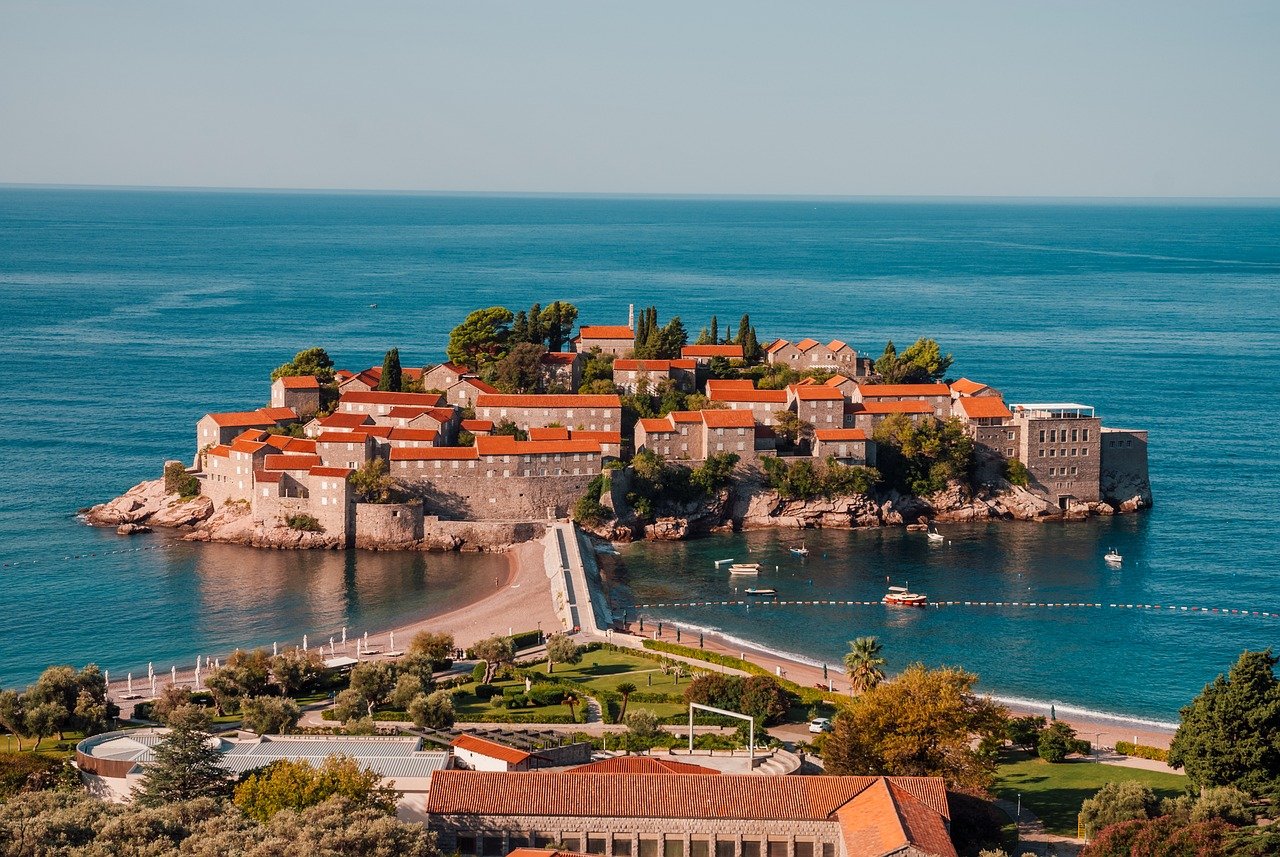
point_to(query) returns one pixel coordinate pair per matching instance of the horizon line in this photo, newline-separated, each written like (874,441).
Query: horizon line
(654,195)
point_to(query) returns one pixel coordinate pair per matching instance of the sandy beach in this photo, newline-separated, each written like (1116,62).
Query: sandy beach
(1102,732)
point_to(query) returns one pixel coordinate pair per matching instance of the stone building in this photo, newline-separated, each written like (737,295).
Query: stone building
(964,387)
(1124,474)
(377,403)
(846,445)
(630,375)
(299,392)
(350,449)
(588,412)
(222,428)
(561,371)
(444,376)
(937,396)
(704,354)
(693,436)
(618,340)
(990,423)
(835,356)
(1060,443)
(743,396)
(817,404)
(867,415)
(472,752)
(488,814)
(463,394)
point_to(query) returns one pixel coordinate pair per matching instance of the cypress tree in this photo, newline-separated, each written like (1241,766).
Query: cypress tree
(743,326)
(537,332)
(751,349)
(187,764)
(519,329)
(391,375)
(715,331)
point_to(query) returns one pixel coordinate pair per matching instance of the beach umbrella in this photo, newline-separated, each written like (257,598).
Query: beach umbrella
(150,672)
(332,650)
(677,635)
(304,642)
(641,624)
(153,685)
(392,644)
(129,684)
(1053,712)
(173,675)
(357,647)
(106,677)
(275,649)
(366,641)
(344,636)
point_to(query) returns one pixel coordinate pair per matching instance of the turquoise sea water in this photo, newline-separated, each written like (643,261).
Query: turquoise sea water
(128,314)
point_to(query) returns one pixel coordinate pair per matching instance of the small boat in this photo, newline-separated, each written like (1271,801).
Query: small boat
(745,568)
(800,551)
(900,596)
(373,306)
(1113,557)
(752,590)
(722,562)
(933,534)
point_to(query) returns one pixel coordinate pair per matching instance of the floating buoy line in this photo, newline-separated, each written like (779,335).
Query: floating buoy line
(91,555)
(938,605)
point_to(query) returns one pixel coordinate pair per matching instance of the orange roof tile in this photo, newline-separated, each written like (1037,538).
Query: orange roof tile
(910,406)
(657,425)
(549,433)
(502,444)
(284,443)
(885,390)
(840,434)
(641,765)
(341,437)
(479,385)
(883,819)
(598,436)
(220,451)
(408,412)
(379,397)
(711,351)
(375,431)
(688,365)
(775,396)
(687,416)
(836,345)
(492,749)
(729,384)
(267,476)
(817,393)
(290,462)
(624,795)
(432,453)
(249,446)
(330,471)
(606,331)
(237,419)
(629,365)
(806,343)
(560,357)
(340,420)
(984,407)
(836,381)
(400,433)
(454,368)
(299,382)
(720,418)
(278,414)
(544,852)
(503,400)
(478,425)
(775,345)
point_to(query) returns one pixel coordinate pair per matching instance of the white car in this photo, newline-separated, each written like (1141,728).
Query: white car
(820,724)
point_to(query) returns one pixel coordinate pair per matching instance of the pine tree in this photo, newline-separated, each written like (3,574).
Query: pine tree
(751,350)
(187,763)
(519,329)
(537,333)
(391,375)
(715,331)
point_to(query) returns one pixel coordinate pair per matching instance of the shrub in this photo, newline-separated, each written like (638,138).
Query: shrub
(1025,732)
(432,711)
(1225,802)
(590,512)
(1056,742)
(478,673)
(1015,472)
(487,691)
(1117,802)
(178,481)
(303,522)
(26,772)
(526,639)
(1141,751)
(547,694)
(642,723)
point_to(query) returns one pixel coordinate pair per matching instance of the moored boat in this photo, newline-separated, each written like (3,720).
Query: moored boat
(1113,557)
(745,568)
(900,596)
(933,534)
(759,591)
(800,551)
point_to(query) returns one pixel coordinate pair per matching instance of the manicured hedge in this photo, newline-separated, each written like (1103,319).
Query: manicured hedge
(1141,751)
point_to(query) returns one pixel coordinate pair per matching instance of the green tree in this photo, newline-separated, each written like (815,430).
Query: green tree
(520,371)
(642,724)
(925,362)
(13,714)
(922,723)
(186,765)
(510,429)
(494,651)
(764,699)
(309,361)
(923,457)
(561,649)
(436,645)
(392,376)
(171,698)
(433,710)
(625,688)
(597,367)
(1056,742)
(714,332)
(1230,733)
(270,715)
(1117,802)
(481,339)
(371,483)
(519,329)
(1025,732)
(297,671)
(245,674)
(350,705)
(55,693)
(44,720)
(296,785)
(407,687)
(886,364)
(671,339)
(556,321)
(1225,802)
(374,681)
(790,428)
(862,664)
(715,473)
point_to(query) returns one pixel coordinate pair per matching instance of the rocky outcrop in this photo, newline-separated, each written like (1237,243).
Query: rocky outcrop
(234,524)
(147,504)
(1126,491)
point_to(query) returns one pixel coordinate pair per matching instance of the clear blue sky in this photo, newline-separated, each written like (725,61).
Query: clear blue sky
(944,98)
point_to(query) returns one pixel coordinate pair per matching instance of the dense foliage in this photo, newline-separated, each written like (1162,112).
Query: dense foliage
(371,482)
(297,785)
(654,342)
(62,700)
(658,486)
(806,479)
(922,363)
(1230,733)
(315,362)
(922,723)
(520,371)
(186,764)
(178,481)
(922,457)
(758,696)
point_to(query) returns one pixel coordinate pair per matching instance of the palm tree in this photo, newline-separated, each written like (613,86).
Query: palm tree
(863,663)
(626,688)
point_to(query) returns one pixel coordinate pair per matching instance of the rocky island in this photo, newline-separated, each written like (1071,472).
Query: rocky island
(633,432)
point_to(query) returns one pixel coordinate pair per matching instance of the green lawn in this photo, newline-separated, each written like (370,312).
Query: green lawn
(1055,792)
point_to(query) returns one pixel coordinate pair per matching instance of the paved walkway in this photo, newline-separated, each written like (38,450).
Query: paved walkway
(1034,839)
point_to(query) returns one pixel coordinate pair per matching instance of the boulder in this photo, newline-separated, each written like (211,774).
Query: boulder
(132,529)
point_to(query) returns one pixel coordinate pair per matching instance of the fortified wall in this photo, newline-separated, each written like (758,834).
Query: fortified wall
(1125,480)
(481,497)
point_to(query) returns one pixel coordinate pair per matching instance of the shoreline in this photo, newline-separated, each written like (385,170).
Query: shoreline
(1097,727)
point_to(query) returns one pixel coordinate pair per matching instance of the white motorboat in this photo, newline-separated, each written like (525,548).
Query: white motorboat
(760,591)
(1113,557)
(933,534)
(900,596)
(723,562)
(800,551)
(745,568)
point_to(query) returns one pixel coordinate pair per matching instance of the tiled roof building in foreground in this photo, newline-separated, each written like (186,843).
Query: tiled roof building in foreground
(689,815)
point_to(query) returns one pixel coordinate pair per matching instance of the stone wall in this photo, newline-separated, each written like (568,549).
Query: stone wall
(270,508)
(477,497)
(478,535)
(385,525)
(1125,480)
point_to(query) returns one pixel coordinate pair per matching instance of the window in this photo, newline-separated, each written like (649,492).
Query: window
(699,848)
(673,847)
(750,848)
(725,847)
(570,843)
(648,848)
(804,849)
(1052,453)
(1073,471)
(1128,443)
(543,840)
(622,846)
(492,846)
(1084,435)
(516,840)
(1073,452)
(1053,435)
(1010,435)
(596,844)
(777,848)
(466,844)
(1042,435)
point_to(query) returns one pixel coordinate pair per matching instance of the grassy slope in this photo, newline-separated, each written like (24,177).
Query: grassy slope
(1055,792)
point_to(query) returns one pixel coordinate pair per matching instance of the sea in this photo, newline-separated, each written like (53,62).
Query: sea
(127,314)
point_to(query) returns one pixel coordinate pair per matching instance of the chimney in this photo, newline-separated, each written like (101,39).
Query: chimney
(631,316)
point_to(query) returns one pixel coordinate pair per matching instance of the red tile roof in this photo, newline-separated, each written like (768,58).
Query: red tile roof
(711,351)
(290,462)
(478,425)
(544,852)
(623,795)
(454,368)
(400,433)
(492,749)
(716,384)
(688,416)
(720,418)
(641,765)
(884,819)
(220,451)
(249,446)
(657,425)
(869,391)
(817,393)
(237,419)
(561,357)
(840,434)
(836,345)
(688,365)
(339,420)
(775,396)
(253,434)
(965,387)
(981,407)
(503,400)
(598,436)
(285,443)
(265,476)
(806,343)
(408,412)
(629,365)
(837,381)
(549,433)
(479,385)
(331,471)
(341,437)
(299,382)
(606,331)
(502,444)
(432,453)
(910,406)
(775,345)
(278,414)
(379,397)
